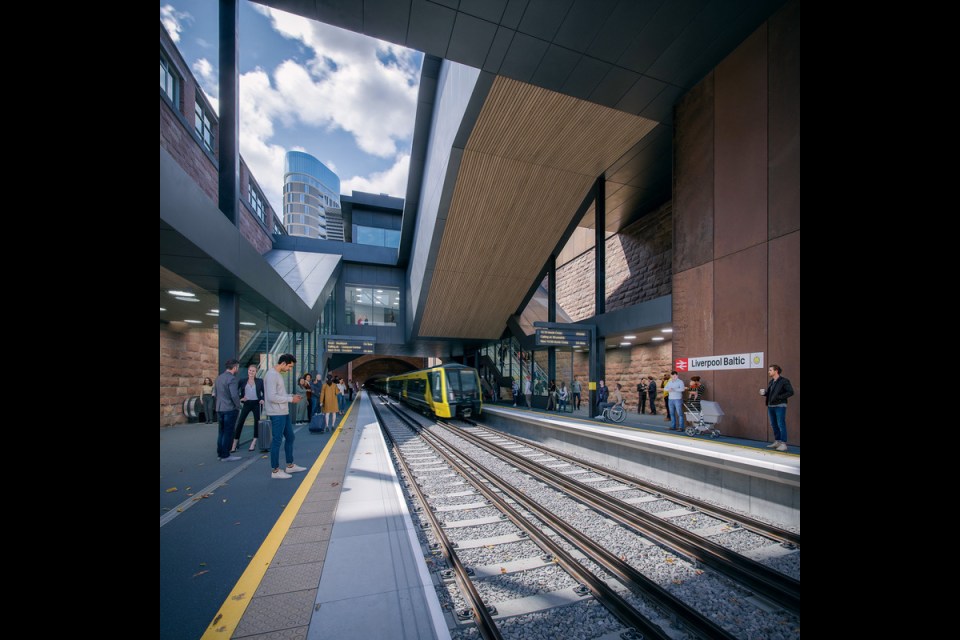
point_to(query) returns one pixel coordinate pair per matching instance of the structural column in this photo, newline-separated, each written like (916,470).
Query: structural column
(552,313)
(598,348)
(229,128)
(228,328)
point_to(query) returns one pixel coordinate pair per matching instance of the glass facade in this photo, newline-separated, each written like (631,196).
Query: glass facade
(372,305)
(256,201)
(376,236)
(311,193)
(204,126)
(169,82)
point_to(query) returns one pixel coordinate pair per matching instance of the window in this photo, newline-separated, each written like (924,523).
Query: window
(204,127)
(376,236)
(375,305)
(169,81)
(276,228)
(256,201)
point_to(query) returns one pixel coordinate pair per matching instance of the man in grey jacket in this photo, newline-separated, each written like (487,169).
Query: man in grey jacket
(228,405)
(277,410)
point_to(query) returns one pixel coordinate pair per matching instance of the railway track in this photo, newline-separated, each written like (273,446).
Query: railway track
(595,567)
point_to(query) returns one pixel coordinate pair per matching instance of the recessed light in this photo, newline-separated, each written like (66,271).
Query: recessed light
(658,338)
(624,344)
(215,315)
(187,299)
(379,290)
(214,310)
(666,330)
(193,321)
(174,292)
(249,324)
(629,337)
(162,309)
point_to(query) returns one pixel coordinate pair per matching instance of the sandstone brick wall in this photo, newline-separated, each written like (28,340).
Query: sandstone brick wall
(639,268)
(627,366)
(186,358)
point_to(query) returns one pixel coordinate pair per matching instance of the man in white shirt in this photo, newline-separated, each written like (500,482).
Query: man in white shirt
(674,390)
(275,406)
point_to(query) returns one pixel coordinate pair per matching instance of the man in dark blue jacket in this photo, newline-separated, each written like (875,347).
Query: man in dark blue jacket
(776,394)
(251,393)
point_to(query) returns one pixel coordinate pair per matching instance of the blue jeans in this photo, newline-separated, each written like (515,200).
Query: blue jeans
(778,420)
(676,411)
(281,428)
(227,420)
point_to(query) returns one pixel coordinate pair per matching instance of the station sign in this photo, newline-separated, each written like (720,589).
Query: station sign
(719,363)
(340,345)
(563,338)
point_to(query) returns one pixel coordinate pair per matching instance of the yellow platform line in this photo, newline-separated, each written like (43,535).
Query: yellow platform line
(231,611)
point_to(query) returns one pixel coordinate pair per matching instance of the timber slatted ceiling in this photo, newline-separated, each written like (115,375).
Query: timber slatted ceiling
(531,158)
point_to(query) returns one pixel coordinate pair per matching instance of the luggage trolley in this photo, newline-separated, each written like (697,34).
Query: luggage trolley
(702,416)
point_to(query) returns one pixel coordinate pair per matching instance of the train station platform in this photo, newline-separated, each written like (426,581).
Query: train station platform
(737,473)
(330,553)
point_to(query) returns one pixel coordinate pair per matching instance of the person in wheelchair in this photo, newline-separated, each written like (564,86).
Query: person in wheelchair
(617,398)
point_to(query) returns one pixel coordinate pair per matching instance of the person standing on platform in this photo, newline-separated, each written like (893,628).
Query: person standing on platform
(575,390)
(277,399)
(674,389)
(341,395)
(515,390)
(251,393)
(552,396)
(666,396)
(562,396)
(528,392)
(776,394)
(206,394)
(328,403)
(642,395)
(228,405)
(652,393)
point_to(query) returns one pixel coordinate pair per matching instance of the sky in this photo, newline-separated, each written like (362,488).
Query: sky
(347,99)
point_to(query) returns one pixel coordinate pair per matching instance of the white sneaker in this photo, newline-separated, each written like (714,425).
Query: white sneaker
(277,475)
(782,446)
(294,468)
(773,445)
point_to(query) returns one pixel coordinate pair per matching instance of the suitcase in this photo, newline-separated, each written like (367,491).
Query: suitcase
(265,434)
(316,423)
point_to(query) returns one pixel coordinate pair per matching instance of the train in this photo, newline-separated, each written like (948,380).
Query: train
(445,391)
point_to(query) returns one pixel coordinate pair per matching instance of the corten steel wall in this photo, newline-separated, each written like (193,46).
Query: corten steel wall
(736,213)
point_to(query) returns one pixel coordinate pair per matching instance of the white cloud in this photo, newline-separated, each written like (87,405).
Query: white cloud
(173,20)
(361,85)
(393,181)
(209,81)
(353,83)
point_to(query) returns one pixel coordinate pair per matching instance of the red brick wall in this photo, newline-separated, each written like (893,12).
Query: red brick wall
(638,268)
(186,358)
(179,143)
(737,221)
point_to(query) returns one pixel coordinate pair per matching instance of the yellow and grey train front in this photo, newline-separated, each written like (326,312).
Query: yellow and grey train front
(447,391)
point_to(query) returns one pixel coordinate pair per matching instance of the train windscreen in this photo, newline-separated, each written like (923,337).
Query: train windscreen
(462,385)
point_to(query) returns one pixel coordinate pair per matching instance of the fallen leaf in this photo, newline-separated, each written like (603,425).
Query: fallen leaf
(179,510)
(669,560)
(188,488)
(239,596)
(333,484)
(503,569)
(171,489)
(189,494)
(678,582)
(200,573)
(217,619)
